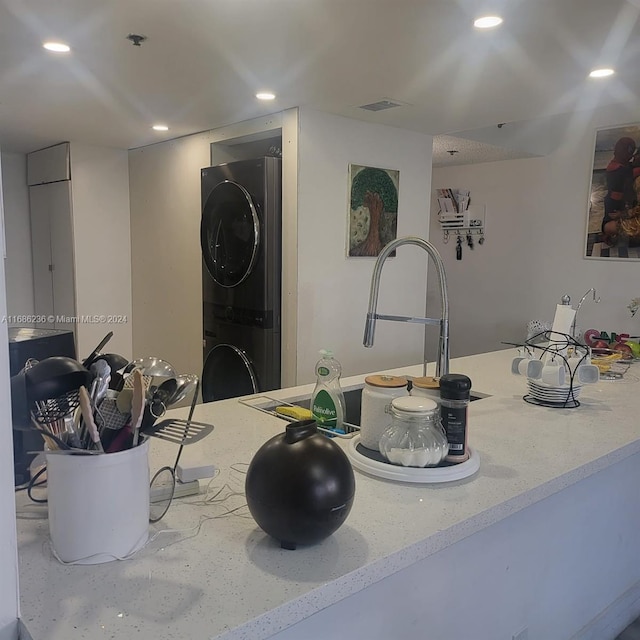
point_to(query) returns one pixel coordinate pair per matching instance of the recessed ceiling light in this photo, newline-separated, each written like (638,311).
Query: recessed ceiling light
(265,95)
(57,47)
(602,72)
(486,22)
(160,127)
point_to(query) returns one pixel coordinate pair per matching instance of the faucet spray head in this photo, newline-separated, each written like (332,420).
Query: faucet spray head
(369,330)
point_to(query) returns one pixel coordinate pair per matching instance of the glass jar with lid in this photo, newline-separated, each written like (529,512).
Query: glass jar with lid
(415,437)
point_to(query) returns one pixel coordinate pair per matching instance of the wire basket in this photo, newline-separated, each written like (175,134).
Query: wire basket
(49,411)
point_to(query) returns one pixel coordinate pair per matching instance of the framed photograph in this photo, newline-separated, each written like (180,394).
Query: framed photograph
(373,209)
(613,222)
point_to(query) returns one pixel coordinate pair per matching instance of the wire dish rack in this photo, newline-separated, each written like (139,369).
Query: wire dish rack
(267,404)
(562,347)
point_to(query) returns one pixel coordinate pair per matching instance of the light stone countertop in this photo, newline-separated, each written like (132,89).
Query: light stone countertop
(212,574)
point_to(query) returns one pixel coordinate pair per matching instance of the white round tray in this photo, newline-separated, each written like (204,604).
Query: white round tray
(421,475)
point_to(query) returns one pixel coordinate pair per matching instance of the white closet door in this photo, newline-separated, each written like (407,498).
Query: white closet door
(64,288)
(52,243)
(41,252)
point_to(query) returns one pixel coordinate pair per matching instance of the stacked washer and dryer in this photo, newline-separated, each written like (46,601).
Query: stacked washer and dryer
(240,236)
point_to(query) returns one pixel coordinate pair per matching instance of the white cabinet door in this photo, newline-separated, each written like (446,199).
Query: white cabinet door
(52,246)
(49,165)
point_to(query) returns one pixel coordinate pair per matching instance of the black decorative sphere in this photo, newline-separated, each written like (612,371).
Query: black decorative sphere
(300,486)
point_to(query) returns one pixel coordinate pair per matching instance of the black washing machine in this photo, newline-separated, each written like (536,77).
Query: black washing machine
(240,236)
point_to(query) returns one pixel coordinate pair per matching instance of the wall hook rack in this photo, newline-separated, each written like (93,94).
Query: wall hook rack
(459,218)
(467,231)
(468,223)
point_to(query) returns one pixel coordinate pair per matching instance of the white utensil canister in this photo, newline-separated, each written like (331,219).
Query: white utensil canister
(98,504)
(378,392)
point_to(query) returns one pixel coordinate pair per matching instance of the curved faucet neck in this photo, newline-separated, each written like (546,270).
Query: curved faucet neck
(442,364)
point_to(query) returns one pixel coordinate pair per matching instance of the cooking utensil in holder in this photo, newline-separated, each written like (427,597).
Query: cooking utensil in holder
(179,431)
(54,409)
(108,416)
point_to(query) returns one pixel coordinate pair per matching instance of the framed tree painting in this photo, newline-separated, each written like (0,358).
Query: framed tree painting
(373,209)
(613,219)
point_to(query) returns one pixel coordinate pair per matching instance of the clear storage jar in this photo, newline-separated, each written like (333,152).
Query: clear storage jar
(415,437)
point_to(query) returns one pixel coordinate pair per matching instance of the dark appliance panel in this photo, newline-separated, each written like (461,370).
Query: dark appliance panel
(229,234)
(239,360)
(26,343)
(240,234)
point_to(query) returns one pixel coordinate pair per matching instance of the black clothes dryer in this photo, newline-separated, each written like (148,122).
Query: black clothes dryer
(240,236)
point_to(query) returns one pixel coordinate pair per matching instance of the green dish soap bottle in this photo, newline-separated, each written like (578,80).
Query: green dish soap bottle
(327,400)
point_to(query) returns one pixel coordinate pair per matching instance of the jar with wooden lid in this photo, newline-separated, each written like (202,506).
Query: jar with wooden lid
(425,387)
(377,394)
(416,437)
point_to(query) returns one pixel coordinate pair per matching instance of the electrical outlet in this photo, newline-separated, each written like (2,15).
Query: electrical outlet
(523,635)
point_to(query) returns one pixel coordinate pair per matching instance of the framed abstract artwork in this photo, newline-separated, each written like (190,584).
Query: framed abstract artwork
(373,209)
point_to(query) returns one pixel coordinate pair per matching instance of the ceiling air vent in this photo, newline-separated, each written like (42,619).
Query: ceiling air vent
(381,105)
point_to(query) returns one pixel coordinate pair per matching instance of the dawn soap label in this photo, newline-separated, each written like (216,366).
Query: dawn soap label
(324,409)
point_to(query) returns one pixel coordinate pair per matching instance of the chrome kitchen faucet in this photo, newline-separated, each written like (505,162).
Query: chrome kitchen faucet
(442,364)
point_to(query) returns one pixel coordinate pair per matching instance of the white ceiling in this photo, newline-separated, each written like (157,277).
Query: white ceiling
(205,59)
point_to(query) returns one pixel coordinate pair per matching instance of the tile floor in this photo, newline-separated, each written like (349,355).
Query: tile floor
(632,632)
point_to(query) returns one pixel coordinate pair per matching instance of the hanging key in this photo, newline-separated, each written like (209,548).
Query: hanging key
(459,249)
(469,241)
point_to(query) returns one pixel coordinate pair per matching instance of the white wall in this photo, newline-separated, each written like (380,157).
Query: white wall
(536,215)
(8,546)
(102,246)
(331,293)
(18,268)
(166,257)
(333,290)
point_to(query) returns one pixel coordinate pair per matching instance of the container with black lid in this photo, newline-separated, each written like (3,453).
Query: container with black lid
(454,400)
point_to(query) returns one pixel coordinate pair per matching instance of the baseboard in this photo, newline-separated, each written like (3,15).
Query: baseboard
(10,631)
(614,619)
(22,631)
(15,631)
